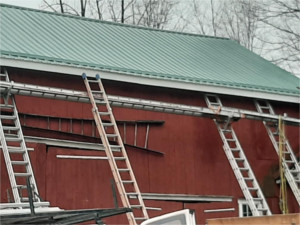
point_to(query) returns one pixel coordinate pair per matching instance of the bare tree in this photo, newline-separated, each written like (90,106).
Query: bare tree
(153,13)
(236,19)
(62,6)
(281,19)
(149,13)
(240,22)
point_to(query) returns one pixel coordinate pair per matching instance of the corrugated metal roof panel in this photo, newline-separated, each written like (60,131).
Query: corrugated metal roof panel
(55,38)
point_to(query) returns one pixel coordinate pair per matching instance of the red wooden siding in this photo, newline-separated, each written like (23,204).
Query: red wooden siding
(193,161)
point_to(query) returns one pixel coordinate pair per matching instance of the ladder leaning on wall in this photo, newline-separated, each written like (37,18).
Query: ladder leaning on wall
(238,161)
(289,160)
(115,151)
(16,153)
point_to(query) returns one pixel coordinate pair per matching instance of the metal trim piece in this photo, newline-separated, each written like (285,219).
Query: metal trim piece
(118,101)
(81,157)
(186,198)
(149,81)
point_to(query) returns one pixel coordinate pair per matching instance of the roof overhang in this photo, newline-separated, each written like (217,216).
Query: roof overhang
(73,70)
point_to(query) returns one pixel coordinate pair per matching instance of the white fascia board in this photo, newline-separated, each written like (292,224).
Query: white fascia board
(73,70)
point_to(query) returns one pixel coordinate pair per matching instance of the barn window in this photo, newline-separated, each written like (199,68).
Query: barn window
(244,209)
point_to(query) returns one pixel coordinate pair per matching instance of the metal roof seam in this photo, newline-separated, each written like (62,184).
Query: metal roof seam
(34,35)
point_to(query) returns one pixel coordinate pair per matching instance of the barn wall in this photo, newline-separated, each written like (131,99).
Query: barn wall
(193,161)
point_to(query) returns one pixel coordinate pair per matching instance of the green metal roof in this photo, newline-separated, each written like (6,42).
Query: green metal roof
(40,36)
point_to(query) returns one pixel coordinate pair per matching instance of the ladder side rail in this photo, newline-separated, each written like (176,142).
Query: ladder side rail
(237,173)
(292,155)
(241,182)
(271,110)
(120,142)
(292,179)
(251,173)
(109,154)
(239,176)
(9,167)
(234,164)
(25,154)
(288,147)
(272,137)
(287,171)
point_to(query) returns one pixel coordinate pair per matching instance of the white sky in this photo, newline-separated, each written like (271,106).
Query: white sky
(35,4)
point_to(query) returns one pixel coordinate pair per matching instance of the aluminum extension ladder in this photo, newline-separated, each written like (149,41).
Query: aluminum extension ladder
(289,161)
(15,151)
(115,151)
(238,161)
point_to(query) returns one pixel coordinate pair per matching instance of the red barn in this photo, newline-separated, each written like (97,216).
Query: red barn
(198,116)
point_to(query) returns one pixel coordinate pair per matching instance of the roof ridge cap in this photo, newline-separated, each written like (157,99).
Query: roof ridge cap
(110,22)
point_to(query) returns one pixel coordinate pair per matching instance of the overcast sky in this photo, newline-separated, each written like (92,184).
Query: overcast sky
(35,4)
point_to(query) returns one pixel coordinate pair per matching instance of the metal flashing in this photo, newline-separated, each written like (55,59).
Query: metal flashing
(186,198)
(230,90)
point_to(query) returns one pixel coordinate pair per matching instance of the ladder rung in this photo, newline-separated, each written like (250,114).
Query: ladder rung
(243,169)
(15,150)
(140,218)
(239,159)
(26,199)
(225,130)
(252,189)
(21,186)
(119,158)
(107,124)
(104,113)
(235,149)
(11,139)
(289,161)
(257,199)
(248,178)
(136,206)
(295,171)
(2,75)
(19,162)
(93,81)
(230,140)
(111,135)
(132,194)
(97,92)
(6,106)
(264,106)
(262,209)
(127,181)
(22,174)
(5,117)
(10,128)
(214,103)
(123,170)
(115,146)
